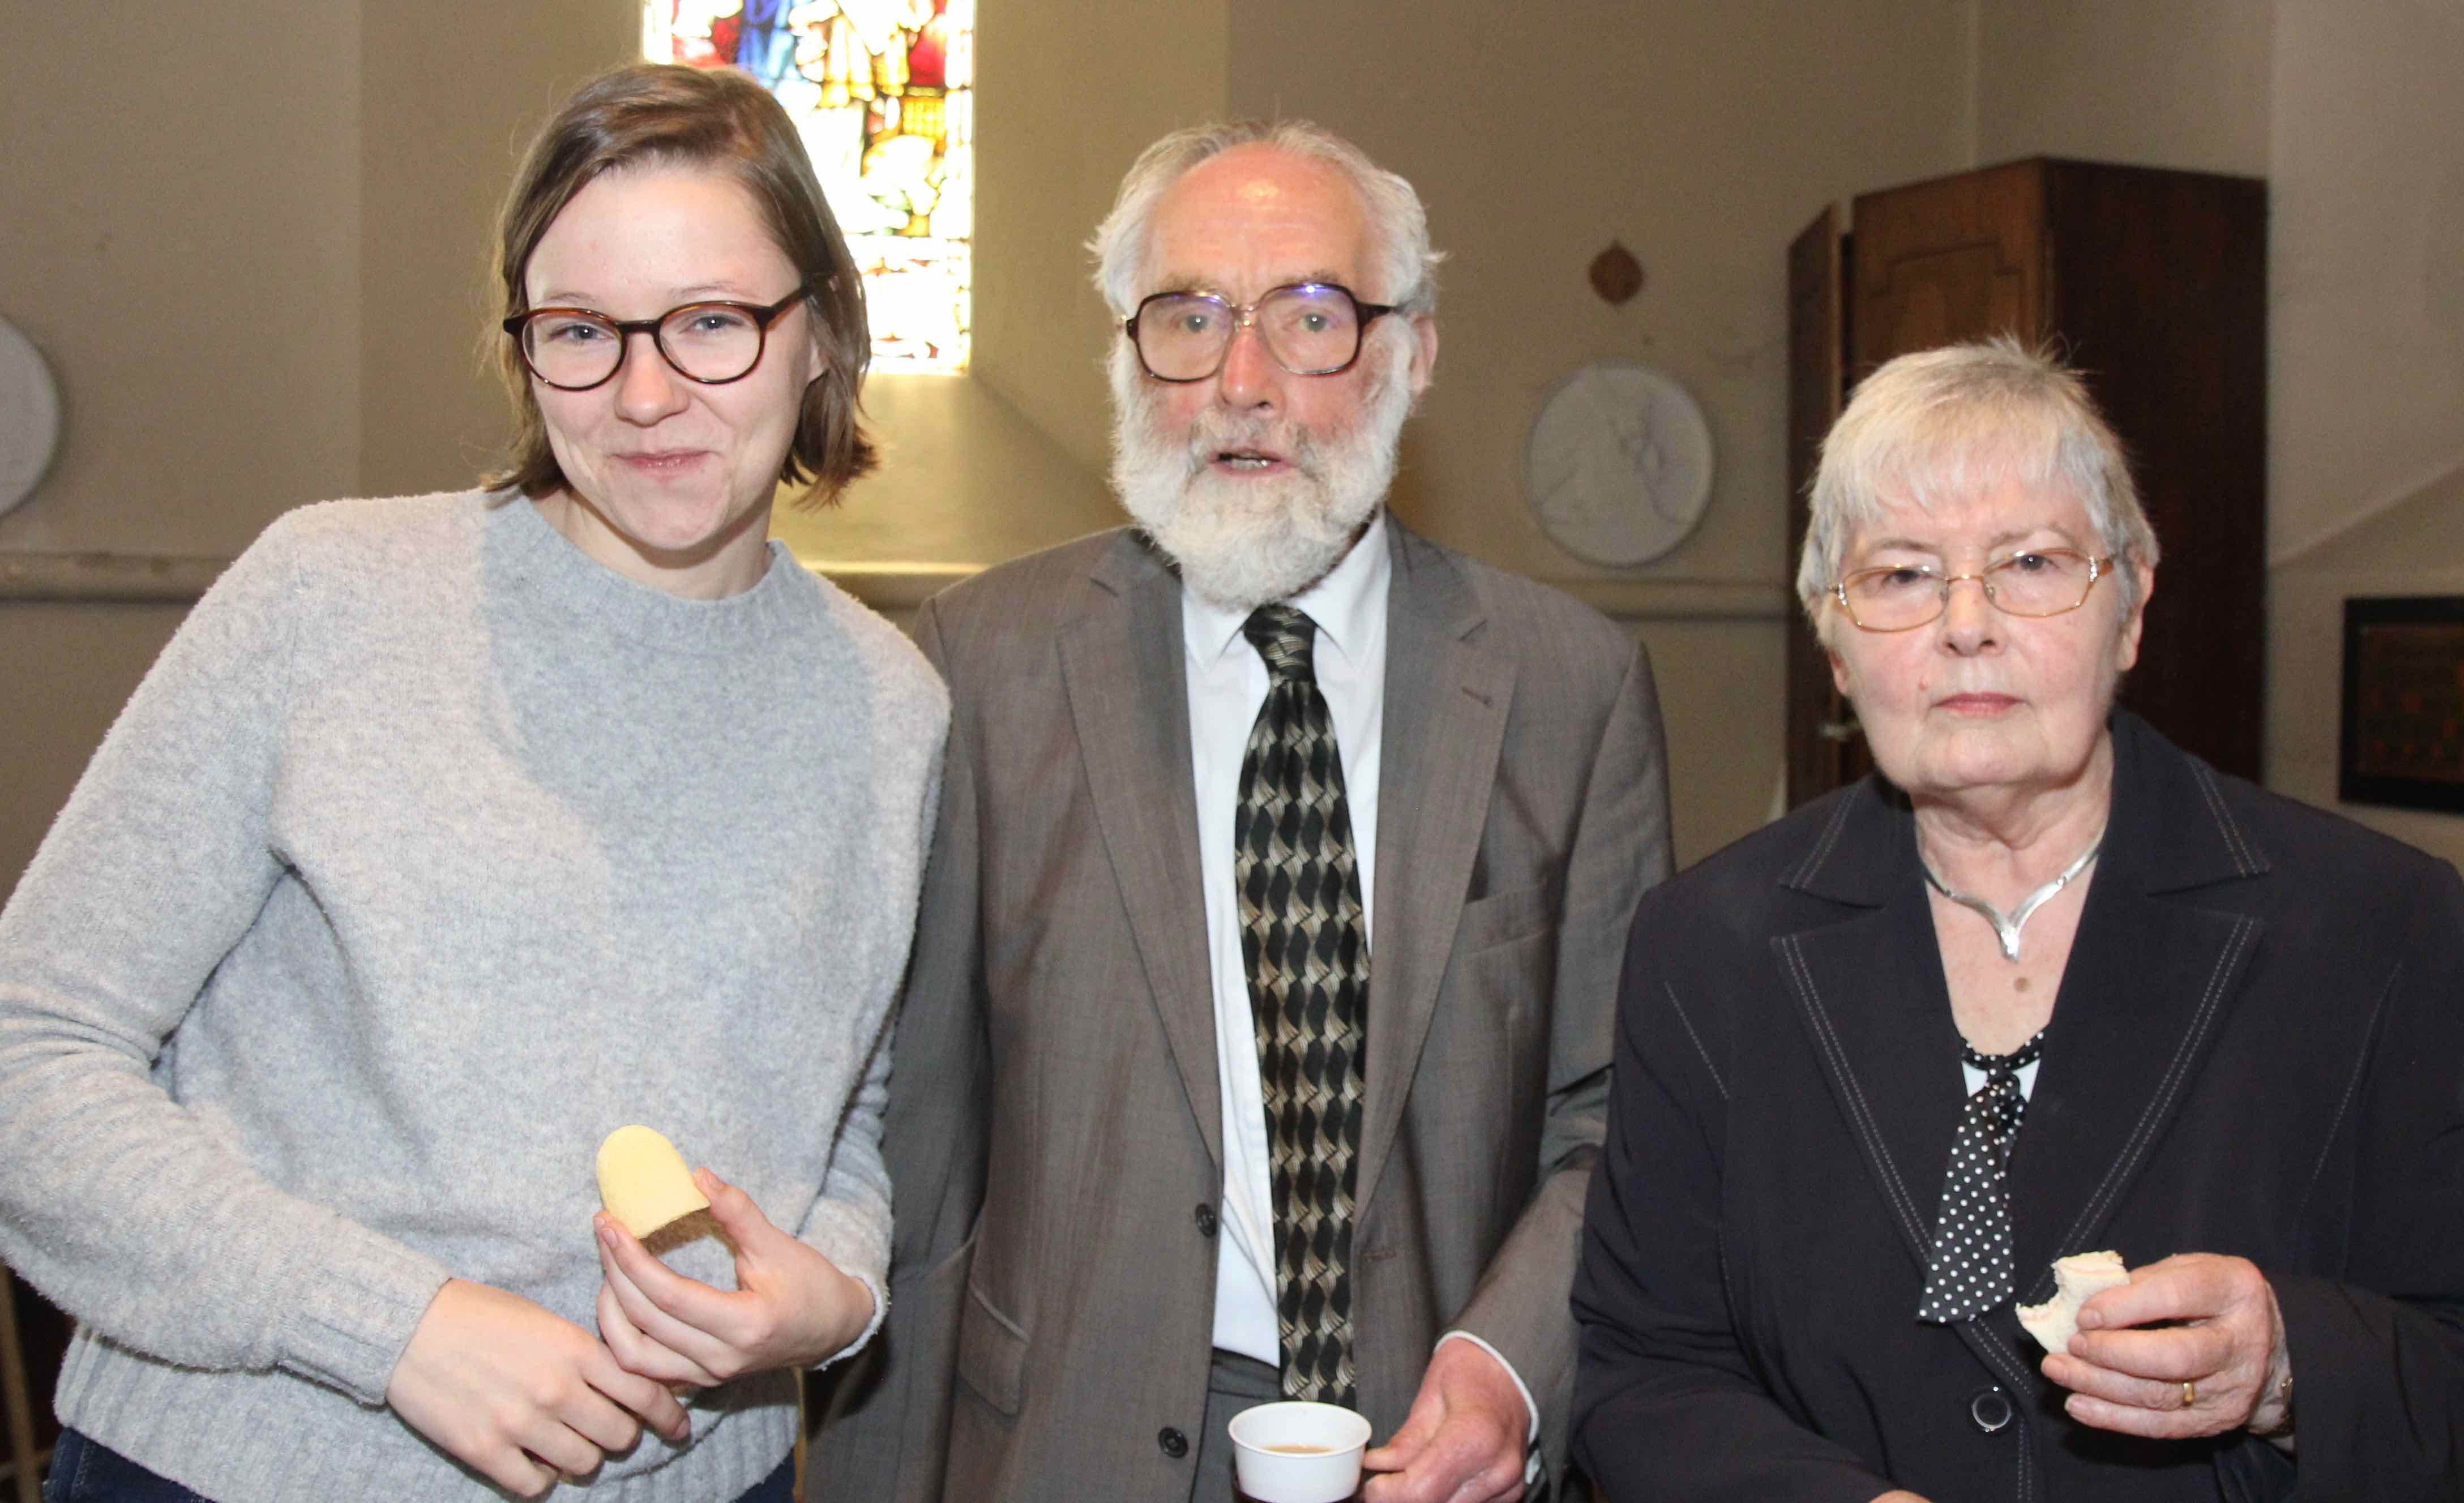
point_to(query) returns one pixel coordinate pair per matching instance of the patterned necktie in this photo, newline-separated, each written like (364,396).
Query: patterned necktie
(1306,951)
(1970,1269)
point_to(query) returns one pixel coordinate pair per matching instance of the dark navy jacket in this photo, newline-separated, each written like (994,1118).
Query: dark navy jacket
(2257,1049)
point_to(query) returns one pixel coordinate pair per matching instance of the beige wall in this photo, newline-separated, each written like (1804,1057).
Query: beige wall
(2366,436)
(2368,369)
(2161,83)
(449,94)
(67,669)
(183,242)
(1072,94)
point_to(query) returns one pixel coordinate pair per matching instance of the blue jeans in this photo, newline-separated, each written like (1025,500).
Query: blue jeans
(85,1472)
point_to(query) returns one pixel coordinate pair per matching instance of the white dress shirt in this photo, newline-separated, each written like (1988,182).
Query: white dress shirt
(1227,687)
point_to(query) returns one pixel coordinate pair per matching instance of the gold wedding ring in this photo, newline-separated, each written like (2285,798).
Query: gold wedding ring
(2189,1394)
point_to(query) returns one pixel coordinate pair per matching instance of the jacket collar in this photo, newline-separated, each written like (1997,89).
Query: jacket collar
(1129,700)
(2171,830)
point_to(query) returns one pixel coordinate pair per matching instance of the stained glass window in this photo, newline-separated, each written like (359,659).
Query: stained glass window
(883,92)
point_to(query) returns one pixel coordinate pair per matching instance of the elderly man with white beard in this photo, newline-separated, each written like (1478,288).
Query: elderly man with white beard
(1257,1040)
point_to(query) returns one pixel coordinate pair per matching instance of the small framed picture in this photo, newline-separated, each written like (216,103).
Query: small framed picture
(2402,721)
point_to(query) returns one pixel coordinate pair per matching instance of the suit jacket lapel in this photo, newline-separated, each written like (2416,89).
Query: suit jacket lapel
(1446,708)
(1870,992)
(2150,977)
(1129,697)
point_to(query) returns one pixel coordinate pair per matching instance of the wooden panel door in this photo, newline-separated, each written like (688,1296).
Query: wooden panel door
(2160,299)
(1824,748)
(1957,259)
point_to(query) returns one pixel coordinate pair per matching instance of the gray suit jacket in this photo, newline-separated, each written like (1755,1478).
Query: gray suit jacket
(1054,1132)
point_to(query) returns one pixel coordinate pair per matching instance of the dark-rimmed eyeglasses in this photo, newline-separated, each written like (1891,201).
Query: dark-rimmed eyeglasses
(2040,582)
(1309,328)
(715,342)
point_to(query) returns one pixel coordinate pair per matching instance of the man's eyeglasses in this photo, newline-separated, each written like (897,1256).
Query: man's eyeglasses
(574,349)
(1310,328)
(2041,581)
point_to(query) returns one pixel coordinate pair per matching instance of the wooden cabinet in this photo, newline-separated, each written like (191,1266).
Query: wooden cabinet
(2152,284)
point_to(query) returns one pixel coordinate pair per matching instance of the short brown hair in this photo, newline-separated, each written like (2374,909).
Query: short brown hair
(667,115)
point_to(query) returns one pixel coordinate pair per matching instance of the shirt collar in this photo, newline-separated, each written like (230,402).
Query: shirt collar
(1348,604)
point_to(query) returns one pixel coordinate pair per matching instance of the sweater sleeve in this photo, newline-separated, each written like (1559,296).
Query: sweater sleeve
(130,1210)
(850,1220)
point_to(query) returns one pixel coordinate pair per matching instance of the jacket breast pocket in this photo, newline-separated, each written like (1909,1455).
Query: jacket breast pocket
(1502,918)
(992,1353)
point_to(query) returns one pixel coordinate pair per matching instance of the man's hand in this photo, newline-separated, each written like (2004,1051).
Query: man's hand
(521,1394)
(791,1307)
(2226,1358)
(1463,1440)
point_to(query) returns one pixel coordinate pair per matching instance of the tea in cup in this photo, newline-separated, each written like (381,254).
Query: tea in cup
(1298,1452)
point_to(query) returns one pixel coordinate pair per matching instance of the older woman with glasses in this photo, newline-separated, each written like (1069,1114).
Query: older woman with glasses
(2043,986)
(452,833)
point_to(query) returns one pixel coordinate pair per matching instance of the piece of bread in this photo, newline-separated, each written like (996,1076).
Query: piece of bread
(644,1183)
(2076,1279)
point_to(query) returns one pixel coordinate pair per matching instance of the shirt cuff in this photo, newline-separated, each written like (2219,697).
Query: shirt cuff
(1530,1406)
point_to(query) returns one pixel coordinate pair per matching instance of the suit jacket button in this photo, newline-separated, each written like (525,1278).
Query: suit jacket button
(1990,1409)
(1175,1444)
(1205,1220)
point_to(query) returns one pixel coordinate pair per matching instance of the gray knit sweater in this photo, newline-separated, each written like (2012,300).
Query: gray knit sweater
(429,852)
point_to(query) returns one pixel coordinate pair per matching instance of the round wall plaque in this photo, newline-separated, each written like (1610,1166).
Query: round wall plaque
(1617,465)
(29,417)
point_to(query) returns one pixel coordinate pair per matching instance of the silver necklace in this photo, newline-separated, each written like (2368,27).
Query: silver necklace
(2007,931)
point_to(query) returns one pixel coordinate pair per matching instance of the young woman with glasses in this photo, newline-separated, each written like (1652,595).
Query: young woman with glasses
(452,833)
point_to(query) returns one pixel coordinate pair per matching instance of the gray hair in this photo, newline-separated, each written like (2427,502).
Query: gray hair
(1928,428)
(1407,267)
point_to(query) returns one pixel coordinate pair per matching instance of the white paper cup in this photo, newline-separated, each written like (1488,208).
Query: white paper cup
(1298,1452)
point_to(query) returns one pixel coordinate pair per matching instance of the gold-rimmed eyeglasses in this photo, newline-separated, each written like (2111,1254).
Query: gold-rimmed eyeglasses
(2040,582)
(712,343)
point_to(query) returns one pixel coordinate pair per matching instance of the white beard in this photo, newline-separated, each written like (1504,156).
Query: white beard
(1241,544)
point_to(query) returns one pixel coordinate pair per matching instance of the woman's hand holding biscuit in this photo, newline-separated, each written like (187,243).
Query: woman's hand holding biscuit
(791,1306)
(2192,1345)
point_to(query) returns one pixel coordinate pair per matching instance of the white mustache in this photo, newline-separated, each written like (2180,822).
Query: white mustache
(1212,433)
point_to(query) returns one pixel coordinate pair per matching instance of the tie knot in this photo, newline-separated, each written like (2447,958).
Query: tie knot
(1283,636)
(2010,1064)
